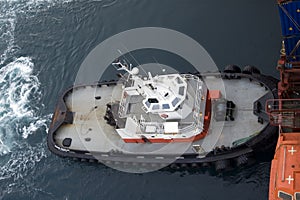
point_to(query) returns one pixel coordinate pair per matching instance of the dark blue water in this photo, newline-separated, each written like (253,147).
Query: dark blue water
(42,45)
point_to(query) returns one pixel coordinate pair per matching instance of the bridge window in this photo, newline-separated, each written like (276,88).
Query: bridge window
(155,107)
(175,101)
(166,106)
(147,104)
(181,90)
(152,100)
(284,196)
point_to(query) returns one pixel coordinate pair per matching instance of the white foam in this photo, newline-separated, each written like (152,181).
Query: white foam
(19,99)
(19,92)
(19,162)
(3,149)
(35,125)
(8,26)
(19,87)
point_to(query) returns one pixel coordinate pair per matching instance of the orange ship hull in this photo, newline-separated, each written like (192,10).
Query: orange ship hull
(285,170)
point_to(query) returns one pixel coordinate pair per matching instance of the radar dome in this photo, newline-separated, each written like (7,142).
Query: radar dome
(135,71)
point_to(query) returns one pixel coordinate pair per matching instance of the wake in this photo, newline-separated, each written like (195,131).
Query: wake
(19,91)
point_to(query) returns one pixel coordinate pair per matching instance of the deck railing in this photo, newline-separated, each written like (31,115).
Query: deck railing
(284,112)
(122,104)
(197,106)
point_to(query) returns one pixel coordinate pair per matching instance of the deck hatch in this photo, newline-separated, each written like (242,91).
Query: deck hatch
(67,142)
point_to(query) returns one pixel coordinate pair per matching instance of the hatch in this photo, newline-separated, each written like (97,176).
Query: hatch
(284,196)
(297,195)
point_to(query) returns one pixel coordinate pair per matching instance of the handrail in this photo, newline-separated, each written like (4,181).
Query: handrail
(284,112)
(282,105)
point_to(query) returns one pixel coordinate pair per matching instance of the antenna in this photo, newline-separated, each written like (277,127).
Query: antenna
(124,58)
(162,69)
(120,66)
(133,72)
(133,58)
(150,76)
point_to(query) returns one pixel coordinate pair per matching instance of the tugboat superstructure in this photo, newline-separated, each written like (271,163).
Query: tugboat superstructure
(161,109)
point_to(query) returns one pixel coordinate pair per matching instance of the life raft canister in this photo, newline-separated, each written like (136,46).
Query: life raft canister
(164,116)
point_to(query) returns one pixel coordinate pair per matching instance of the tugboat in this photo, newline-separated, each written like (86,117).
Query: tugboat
(181,120)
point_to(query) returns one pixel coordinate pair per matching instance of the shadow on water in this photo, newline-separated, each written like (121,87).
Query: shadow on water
(165,183)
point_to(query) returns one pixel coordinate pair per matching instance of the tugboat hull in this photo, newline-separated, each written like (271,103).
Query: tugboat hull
(73,131)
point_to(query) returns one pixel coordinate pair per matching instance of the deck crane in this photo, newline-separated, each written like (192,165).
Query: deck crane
(285,111)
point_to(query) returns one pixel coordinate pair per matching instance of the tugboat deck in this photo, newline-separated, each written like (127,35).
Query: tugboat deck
(90,131)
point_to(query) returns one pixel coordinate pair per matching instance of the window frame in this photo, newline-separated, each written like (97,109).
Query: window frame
(297,193)
(292,198)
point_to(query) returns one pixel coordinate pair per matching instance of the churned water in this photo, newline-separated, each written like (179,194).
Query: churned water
(43,43)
